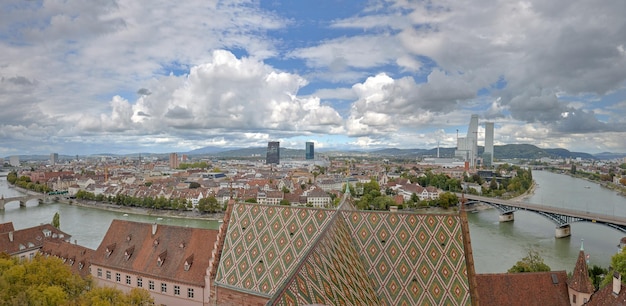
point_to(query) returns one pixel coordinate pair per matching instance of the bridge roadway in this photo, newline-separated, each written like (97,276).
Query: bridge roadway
(562,217)
(21,199)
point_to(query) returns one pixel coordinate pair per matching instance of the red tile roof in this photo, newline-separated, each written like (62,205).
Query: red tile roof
(580,276)
(134,248)
(6,227)
(76,256)
(15,242)
(606,297)
(533,288)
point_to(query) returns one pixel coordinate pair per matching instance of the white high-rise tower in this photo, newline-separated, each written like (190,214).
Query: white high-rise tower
(467,148)
(488,155)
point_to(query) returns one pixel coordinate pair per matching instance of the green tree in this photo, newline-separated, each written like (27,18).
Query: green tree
(285,202)
(493,185)
(41,281)
(533,262)
(56,222)
(208,204)
(48,281)
(596,274)
(447,199)
(618,263)
(108,296)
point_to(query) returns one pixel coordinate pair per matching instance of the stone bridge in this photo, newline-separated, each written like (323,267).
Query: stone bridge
(21,199)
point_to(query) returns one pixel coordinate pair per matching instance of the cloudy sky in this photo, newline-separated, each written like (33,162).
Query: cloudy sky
(124,76)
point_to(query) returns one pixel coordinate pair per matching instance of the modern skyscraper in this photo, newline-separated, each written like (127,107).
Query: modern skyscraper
(488,154)
(174,161)
(467,148)
(273,153)
(310,150)
(54,158)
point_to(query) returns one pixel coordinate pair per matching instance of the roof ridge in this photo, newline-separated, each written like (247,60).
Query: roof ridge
(283,287)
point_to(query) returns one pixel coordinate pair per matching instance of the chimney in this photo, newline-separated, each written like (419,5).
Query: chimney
(11,236)
(617,282)
(154,228)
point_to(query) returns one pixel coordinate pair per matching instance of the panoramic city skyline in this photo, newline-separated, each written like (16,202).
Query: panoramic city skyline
(155,76)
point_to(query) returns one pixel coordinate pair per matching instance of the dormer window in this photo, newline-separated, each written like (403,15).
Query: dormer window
(109,250)
(129,237)
(71,261)
(30,245)
(129,252)
(46,233)
(156,242)
(161,258)
(188,263)
(182,245)
(80,265)
(21,246)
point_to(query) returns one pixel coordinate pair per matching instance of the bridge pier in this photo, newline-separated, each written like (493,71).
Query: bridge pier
(22,203)
(507,217)
(563,231)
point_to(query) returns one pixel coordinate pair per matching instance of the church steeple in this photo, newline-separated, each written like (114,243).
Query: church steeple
(579,286)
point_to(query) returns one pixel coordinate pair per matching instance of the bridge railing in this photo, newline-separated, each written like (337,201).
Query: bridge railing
(550,209)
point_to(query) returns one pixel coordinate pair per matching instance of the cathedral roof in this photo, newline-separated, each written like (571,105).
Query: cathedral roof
(314,256)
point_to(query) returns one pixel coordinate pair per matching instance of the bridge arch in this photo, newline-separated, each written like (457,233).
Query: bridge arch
(21,199)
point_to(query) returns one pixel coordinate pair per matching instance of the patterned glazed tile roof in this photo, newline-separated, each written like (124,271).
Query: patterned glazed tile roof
(332,273)
(297,256)
(523,289)
(412,259)
(265,243)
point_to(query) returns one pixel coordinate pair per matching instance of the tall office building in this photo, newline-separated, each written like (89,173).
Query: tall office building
(488,154)
(467,147)
(54,158)
(273,153)
(174,161)
(310,150)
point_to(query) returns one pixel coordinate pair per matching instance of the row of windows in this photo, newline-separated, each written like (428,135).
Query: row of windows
(118,278)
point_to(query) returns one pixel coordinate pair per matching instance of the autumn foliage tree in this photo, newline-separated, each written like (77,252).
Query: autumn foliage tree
(47,281)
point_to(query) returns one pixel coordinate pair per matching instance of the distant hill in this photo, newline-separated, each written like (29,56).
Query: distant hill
(609,155)
(511,151)
(258,152)
(528,151)
(443,152)
(209,150)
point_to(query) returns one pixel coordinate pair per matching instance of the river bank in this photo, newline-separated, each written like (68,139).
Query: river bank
(186,214)
(619,189)
(527,194)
